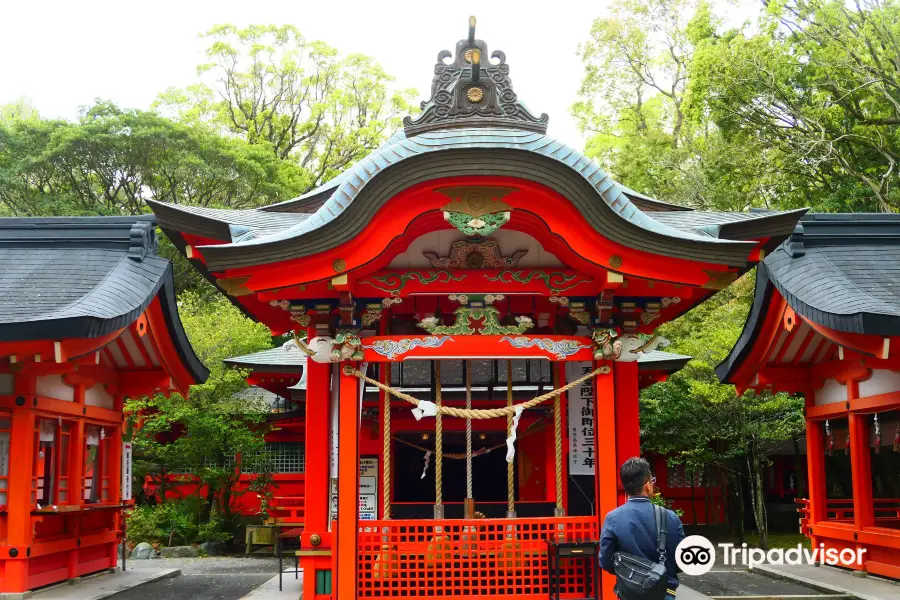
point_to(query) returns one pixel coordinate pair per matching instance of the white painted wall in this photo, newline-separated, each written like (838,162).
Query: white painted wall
(52,386)
(882,381)
(98,396)
(831,392)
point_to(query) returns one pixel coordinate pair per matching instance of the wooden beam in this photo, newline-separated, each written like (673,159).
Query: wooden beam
(871,345)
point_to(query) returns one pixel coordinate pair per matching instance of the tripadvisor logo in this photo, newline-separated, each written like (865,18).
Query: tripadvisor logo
(696,555)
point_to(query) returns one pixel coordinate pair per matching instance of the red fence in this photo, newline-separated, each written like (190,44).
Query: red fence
(489,558)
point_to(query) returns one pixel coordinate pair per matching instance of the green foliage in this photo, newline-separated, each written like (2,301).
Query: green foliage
(175,524)
(816,81)
(658,499)
(797,109)
(204,434)
(111,160)
(698,422)
(297,98)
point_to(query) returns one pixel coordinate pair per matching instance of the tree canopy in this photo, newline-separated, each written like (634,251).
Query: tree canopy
(301,99)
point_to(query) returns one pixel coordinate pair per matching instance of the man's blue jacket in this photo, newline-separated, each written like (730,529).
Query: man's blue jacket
(632,528)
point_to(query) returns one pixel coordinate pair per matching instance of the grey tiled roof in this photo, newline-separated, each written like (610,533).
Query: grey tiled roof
(83,277)
(841,271)
(659,360)
(275,359)
(615,211)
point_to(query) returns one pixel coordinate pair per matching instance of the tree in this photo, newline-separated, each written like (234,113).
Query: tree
(300,99)
(698,422)
(635,102)
(113,159)
(819,83)
(203,434)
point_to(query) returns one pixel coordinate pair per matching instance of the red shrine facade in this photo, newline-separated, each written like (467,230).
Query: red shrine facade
(476,300)
(824,324)
(87,319)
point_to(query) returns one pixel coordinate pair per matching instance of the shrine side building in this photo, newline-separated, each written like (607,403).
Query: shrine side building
(825,323)
(87,319)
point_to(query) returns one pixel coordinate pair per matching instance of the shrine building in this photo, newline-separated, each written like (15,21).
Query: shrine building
(825,323)
(477,302)
(87,320)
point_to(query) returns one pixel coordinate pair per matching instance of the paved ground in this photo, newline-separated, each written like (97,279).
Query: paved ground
(223,578)
(737,581)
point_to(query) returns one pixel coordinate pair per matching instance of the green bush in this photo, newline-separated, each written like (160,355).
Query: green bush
(175,523)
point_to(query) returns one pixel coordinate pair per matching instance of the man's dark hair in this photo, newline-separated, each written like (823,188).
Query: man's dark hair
(635,473)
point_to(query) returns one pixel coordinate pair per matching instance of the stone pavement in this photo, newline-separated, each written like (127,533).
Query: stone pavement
(291,589)
(832,580)
(97,587)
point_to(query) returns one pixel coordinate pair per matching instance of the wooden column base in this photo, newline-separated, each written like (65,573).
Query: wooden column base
(469,508)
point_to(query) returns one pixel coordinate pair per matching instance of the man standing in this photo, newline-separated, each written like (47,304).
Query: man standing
(632,527)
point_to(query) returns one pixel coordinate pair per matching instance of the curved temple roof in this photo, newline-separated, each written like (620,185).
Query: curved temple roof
(840,271)
(461,133)
(84,277)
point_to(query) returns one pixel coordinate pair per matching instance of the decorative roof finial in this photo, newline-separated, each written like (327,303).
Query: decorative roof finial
(473,92)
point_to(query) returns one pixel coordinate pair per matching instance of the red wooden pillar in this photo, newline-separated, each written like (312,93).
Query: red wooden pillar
(860,464)
(21,467)
(317,490)
(348,487)
(318,391)
(76,476)
(815,454)
(628,426)
(605,461)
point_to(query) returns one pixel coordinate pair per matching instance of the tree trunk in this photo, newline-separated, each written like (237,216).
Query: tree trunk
(694,499)
(739,496)
(757,496)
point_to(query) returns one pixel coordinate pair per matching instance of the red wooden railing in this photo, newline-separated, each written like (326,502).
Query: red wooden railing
(287,510)
(486,558)
(886,510)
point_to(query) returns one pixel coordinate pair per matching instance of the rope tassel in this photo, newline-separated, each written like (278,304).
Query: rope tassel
(424,409)
(511,440)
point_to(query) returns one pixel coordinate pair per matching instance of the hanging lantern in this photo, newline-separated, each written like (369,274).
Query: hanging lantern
(877,436)
(829,439)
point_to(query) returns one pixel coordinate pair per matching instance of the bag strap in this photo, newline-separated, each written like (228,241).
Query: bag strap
(662,531)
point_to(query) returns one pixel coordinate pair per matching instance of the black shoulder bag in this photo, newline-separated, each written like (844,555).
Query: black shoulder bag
(638,578)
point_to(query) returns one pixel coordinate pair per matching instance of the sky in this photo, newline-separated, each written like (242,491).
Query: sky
(62,55)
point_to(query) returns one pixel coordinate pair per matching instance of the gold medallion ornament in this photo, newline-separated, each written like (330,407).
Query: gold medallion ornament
(338,265)
(468,55)
(615,261)
(475,94)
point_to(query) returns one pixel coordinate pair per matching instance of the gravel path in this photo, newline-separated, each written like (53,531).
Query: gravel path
(215,578)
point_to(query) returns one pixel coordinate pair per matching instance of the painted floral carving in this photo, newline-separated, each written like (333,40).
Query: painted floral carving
(394,283)
(475,253)
(390,349)
(561,348)
(556,282)
(608,345)
(481,225)
(486,317)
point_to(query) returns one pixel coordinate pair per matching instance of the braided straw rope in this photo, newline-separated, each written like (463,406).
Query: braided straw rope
(557,433)
(510,474)
(438,437)
(468,430)
(475,413)
(386,465)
